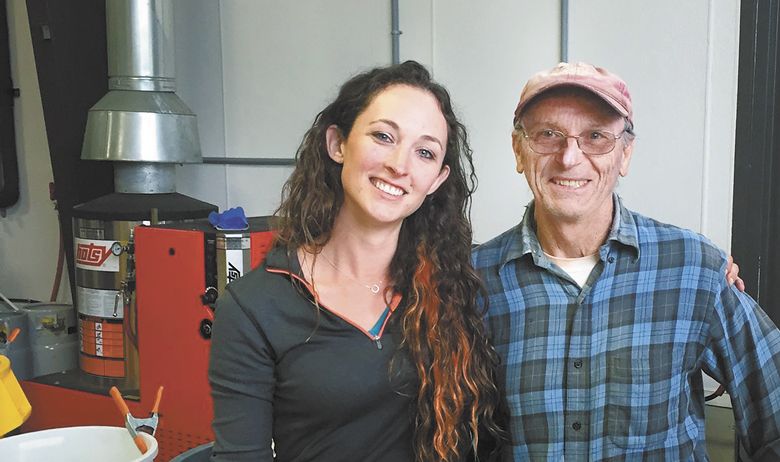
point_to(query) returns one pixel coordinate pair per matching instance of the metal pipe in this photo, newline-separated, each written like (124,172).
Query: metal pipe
(395,31)
(267,161)
(564,31)
(10,303)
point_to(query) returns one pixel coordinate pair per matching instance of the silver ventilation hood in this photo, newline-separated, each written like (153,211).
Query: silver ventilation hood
(141,123)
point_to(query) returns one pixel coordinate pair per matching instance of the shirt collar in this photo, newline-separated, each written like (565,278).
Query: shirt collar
(524,240)
(624,228)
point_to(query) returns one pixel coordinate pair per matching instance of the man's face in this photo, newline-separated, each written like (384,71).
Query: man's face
(570,186)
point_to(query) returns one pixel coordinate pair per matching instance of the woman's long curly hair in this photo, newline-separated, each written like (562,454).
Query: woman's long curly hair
(442,330)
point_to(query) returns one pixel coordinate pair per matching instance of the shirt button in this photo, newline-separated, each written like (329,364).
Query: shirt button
(611,259)
(576,426)
(578,363)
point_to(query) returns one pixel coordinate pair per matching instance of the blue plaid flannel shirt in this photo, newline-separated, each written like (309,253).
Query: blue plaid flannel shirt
(612,370)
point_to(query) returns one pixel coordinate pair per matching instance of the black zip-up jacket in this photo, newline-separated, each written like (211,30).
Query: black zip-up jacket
(321,387)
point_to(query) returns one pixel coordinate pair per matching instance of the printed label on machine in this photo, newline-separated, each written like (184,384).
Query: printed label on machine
(101,338)
(99,302)
(234,245)
(97,255)
(98,339)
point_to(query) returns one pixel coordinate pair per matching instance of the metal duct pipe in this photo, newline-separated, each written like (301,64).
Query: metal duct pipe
(140,45)
(564,31)
(141,121)
(395,30)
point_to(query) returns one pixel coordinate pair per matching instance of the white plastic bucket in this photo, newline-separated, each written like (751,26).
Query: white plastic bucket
(77,444)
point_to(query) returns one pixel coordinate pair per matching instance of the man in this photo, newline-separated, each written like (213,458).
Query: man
(605,319)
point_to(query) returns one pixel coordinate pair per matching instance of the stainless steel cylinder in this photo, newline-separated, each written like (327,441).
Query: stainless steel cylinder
(101,266)
(144,178)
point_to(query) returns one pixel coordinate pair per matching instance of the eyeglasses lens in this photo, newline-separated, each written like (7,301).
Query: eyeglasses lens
(594,142)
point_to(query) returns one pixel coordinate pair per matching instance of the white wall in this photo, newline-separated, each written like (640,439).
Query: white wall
(484,57)
(281,63)
(680,61)
(257,71)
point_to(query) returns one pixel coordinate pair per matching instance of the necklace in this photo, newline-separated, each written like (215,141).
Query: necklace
(374,288)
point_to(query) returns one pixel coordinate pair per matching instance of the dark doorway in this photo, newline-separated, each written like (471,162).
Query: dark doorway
(755,241)
(69,42)
(9,172)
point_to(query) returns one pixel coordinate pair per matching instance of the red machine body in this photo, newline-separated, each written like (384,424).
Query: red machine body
(180,270)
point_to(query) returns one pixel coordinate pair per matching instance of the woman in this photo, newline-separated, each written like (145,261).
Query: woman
(358,338)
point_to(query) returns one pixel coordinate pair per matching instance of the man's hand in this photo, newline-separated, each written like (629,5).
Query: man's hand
(732,275)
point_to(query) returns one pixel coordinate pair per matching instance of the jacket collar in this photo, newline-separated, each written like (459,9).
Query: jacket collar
(280,260)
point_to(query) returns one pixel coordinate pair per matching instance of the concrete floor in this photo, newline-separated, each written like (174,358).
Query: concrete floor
(719,425)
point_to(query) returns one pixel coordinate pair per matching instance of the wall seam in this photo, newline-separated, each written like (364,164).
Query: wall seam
(704,212)
(433,36)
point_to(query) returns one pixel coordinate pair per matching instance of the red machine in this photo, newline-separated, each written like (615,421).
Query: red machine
(180,269)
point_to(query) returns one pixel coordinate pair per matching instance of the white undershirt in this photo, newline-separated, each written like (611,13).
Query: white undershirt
(578,268)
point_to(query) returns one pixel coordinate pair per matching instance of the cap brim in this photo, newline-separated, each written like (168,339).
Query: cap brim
(568,83)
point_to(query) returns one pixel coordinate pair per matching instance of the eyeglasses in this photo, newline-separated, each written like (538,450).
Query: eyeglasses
(593,142)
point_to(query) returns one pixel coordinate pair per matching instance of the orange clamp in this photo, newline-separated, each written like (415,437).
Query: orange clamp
(125,411)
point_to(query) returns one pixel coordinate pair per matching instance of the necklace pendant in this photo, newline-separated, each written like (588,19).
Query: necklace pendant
(374,288)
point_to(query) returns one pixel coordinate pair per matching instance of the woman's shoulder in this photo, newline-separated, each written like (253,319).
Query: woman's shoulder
(268,291)
(269,278)
(251,285)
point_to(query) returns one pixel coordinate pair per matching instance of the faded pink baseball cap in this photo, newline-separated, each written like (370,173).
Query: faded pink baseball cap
(602,83)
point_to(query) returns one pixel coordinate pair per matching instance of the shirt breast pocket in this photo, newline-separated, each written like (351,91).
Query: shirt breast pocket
(636,417)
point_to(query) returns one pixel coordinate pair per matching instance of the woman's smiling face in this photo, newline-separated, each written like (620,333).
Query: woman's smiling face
(392,158)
